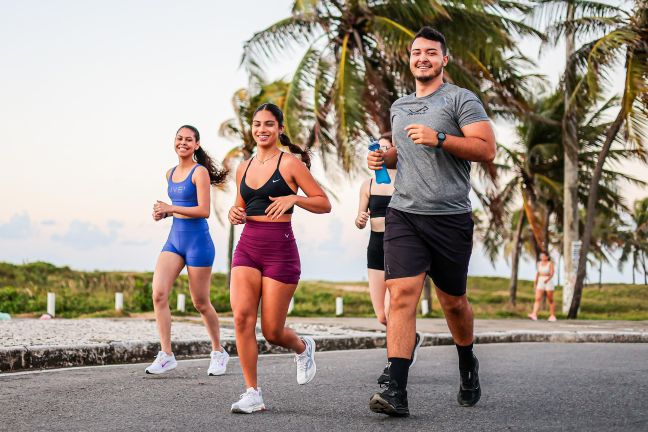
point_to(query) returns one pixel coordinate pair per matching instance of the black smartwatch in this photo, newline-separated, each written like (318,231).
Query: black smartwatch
(441,137)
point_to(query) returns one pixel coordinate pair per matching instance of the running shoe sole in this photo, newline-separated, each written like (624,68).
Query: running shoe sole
(379,405)
(160,373)
(242,411)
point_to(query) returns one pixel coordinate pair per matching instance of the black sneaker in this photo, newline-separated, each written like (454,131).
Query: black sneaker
(392,401)
(469,388)
(383,379)
(417,344)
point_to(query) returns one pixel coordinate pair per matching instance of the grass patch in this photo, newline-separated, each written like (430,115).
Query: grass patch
(23,290)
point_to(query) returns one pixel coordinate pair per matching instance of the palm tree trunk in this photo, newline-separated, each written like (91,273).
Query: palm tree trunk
(427,291)
(570,144)
(600,273)
(515,260)
(643,262)
(230,253)
(591,210)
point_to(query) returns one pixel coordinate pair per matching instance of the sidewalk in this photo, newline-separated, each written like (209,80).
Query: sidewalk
(35,344)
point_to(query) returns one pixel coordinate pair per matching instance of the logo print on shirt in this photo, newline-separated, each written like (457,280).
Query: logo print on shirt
(419,111)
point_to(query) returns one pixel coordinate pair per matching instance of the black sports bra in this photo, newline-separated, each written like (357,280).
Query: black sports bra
(378,203)
(258,200)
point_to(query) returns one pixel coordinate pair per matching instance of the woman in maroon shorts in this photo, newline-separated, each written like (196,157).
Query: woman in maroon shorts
(266,260)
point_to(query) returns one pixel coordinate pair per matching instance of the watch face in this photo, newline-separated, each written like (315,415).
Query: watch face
(441,136)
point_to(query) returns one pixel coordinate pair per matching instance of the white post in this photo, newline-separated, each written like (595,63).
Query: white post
(291,306)
(339,306)
(51,303)
(570,279)
(119,301)
(181,302)
(425,307)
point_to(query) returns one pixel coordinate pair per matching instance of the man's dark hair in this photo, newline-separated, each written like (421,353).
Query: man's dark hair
(430,34)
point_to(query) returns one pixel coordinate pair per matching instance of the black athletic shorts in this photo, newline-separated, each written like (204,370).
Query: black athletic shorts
(375,251)
(439,245)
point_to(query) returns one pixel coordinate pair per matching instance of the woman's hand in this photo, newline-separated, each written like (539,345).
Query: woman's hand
(361,220)
(157,216)
(236,215)
(280,205)
(162,207)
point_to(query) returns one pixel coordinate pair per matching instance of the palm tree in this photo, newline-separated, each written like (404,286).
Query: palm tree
(635,240)
(355,64)
(629,41)
(535,169)
(572,20)
(239,129)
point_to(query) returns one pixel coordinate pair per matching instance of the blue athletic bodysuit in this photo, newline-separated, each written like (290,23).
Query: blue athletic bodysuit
(189,238)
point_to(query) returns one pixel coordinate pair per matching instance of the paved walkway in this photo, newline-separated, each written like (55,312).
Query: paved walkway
(31,343)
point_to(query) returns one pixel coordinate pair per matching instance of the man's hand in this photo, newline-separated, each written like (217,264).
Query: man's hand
(420,134)
(375,160)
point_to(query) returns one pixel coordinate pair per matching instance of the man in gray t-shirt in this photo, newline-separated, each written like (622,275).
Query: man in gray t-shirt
(437,132)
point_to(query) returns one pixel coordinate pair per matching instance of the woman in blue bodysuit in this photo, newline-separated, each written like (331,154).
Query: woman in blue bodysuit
(189,244)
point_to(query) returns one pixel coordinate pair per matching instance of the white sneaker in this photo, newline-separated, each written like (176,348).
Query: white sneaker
(417,345)
(163,363)
(249,402)
(306,362)
(218,363)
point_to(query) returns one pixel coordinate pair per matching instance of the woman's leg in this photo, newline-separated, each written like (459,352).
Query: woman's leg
(274,309)
(167,269)
(379,294)
(552,305)
(199,287)
(245,293)
(536,306)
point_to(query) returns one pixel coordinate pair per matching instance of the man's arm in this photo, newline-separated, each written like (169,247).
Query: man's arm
(477,144)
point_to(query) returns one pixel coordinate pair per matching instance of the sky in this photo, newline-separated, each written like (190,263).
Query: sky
(91,94)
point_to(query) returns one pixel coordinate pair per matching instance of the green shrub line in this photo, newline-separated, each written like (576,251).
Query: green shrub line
(24,288)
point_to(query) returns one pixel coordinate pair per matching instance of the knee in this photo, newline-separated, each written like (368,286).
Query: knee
(273,335)
(160,299)
(244,321)
(202,306)
(456,306)
(402,298)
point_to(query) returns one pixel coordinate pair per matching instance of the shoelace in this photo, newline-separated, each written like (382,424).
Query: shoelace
(303,361)
(245,394)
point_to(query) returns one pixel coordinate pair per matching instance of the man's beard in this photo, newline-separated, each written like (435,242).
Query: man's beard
(427,78)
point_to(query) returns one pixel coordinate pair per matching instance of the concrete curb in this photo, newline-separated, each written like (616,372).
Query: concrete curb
(45,357)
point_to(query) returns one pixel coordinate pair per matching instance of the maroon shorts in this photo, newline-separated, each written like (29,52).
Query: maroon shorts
(269,247)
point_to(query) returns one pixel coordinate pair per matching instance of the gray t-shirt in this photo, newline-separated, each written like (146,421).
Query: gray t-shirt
(431,181)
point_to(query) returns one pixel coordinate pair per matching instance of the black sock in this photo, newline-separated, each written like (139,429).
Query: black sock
(398,371)
(466,357)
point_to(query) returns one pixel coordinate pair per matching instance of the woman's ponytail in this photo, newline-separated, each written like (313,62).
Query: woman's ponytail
(216,176)
(295,149)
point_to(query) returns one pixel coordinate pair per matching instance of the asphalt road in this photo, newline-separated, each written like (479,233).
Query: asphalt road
(584,387)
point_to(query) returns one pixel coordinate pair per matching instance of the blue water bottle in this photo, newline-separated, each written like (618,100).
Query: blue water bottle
(382,176)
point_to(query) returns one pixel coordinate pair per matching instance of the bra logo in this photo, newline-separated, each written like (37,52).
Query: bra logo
(275,180)
(287,235)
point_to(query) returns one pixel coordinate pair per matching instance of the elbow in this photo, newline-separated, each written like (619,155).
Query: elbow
(489,155)
(327,208)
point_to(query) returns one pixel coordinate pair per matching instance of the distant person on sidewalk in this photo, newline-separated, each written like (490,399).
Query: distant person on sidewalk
(374,200)
(542,284)
(189,244)
(266,261)
(437,132)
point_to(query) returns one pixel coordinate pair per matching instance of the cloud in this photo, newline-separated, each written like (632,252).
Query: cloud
(84,235)
(18,227)
(48,222)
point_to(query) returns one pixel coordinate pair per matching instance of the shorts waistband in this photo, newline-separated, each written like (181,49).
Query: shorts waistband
(195,224)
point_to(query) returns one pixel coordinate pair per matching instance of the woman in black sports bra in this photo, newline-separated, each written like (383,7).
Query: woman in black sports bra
(266,260)
(374,199)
